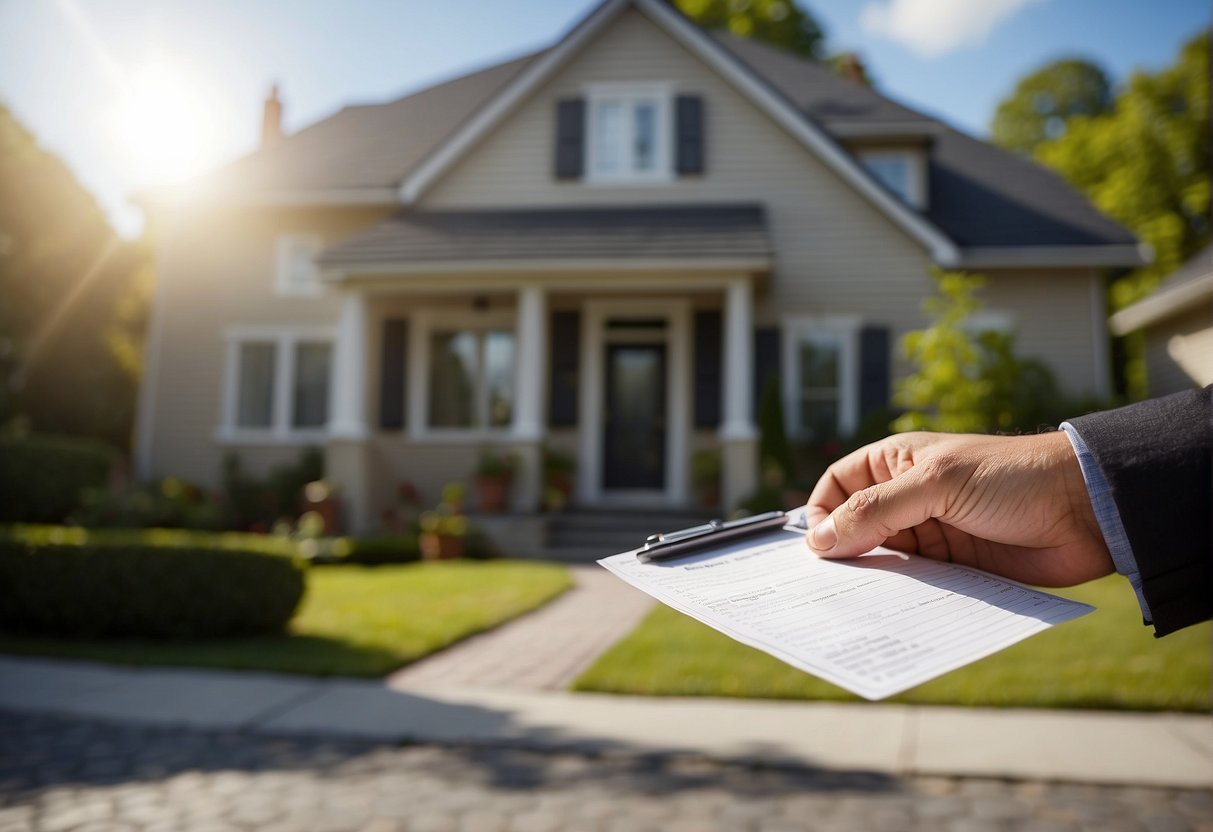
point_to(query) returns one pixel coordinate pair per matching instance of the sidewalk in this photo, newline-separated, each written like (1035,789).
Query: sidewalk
(507,688)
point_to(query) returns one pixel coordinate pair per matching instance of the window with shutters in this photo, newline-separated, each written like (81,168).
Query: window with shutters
(628,133)
(277,384)
(297,273)
(821,377)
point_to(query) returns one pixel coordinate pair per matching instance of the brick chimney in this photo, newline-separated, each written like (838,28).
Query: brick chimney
(271,119)
(850,65)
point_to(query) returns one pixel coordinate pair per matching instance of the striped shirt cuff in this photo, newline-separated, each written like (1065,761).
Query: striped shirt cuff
(1108,516)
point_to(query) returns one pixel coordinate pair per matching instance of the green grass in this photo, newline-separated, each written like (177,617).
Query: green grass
(1106,659)
(354,621)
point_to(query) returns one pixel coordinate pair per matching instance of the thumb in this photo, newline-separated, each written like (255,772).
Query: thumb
(872,515)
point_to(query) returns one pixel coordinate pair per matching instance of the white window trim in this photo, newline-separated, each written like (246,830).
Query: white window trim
(990,320)
(422,324)
(847,328)
(284,338)
(662,92)
(916,165)
(287,243)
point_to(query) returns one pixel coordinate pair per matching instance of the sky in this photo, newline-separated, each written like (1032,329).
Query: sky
(135,93)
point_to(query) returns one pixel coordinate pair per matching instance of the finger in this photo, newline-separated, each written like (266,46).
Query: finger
(874,514)
(843,478)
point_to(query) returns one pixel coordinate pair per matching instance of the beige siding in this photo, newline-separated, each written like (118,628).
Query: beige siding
(216,272)
(1179,352)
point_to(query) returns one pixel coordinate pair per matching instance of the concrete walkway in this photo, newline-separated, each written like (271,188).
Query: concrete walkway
(545,650)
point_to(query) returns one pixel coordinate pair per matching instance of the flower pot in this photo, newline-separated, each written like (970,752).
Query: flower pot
(492,492)
(441,546)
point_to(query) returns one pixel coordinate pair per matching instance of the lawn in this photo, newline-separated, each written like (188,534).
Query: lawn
(354,620)
(1103,660)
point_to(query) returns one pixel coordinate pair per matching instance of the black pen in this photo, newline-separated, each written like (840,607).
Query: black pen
(669,545)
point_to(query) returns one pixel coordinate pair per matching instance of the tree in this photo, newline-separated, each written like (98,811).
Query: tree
(74,300)
(1043,102)
(780,22)
(1146,164)
(968,381)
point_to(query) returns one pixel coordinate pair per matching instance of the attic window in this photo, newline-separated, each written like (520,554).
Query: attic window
(629,132)
(901,171)
(297,273)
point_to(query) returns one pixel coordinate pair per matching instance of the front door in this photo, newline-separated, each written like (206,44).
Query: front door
(633,453)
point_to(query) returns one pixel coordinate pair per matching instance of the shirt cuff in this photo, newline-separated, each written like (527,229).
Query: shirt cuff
(1108,516)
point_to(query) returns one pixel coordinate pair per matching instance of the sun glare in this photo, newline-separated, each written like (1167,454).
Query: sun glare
(163,125)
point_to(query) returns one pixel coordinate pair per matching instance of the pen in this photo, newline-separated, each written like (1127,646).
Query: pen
(670,545)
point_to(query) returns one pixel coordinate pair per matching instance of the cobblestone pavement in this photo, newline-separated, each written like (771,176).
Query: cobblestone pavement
(544,650)
(59,774)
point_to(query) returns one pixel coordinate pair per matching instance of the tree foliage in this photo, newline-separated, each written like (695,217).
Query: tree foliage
(1146,163)
(1043,102)
(780,22)
(74,300)
(968,381)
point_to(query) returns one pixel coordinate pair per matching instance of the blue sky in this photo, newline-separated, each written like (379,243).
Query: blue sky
(112,85)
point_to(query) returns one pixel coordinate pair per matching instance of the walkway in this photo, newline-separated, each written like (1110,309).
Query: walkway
(545,650)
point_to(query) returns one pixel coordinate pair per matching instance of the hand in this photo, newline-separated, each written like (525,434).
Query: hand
(1012,505)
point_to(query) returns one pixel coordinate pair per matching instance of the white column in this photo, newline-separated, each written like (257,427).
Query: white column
(348,420)
(532,336)
(738,362)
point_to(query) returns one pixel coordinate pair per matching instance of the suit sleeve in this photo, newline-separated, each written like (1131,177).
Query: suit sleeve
(1158,458)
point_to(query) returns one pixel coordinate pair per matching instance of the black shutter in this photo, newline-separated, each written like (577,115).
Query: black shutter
(766,359)
(688,119)
(873,369)
(570,138)
(707,369)
(565,352)
(391,373)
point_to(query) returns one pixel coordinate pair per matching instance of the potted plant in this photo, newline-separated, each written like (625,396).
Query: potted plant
(558,468)
(443,532)
(705,476)
(494,474)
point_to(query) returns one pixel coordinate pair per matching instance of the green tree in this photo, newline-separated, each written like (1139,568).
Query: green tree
(968,381)
(74,300)
(780,22)
(1043,102)
(1146,164)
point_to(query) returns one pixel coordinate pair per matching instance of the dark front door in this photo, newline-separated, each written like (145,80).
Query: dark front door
(633,450)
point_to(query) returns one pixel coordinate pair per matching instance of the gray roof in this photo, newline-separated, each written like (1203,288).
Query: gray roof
(732,232)
(979,195)
(1186,288)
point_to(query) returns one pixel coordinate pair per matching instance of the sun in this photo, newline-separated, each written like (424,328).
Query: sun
(163,125)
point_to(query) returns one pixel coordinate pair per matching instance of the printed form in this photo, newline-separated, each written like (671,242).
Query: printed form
(875,625)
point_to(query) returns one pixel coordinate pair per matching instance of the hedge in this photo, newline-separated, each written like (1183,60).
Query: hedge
(75,586)
(42,478)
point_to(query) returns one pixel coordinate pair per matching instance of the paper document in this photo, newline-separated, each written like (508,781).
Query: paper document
(875,625)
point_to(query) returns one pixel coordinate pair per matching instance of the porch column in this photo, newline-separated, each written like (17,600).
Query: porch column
(738,437)
(528,424)
(347,455)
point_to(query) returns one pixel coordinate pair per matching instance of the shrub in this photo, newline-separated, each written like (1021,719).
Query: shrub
(256,504)
(73,583)
(42,478)
(171,503)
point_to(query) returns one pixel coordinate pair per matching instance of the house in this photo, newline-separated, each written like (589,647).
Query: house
(602,247)
(1177,322)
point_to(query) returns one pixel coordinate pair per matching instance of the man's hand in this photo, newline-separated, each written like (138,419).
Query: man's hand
(1012,505)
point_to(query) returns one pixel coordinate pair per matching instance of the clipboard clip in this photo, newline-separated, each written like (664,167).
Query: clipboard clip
(670,545)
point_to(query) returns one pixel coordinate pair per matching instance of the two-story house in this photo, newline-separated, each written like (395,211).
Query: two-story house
(601,247)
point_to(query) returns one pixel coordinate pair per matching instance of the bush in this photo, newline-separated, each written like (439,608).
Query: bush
(73,583)
(42,478)
(255,504)
(171,503)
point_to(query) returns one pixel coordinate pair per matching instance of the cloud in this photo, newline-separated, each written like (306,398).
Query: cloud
(931,28)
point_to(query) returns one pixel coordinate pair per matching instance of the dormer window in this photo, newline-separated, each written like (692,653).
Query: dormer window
(629,133)
(901,171)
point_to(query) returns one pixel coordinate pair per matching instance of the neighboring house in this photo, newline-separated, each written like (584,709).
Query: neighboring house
(1177,322)
(602,247)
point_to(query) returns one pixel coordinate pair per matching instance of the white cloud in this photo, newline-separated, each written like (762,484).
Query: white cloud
(932,28)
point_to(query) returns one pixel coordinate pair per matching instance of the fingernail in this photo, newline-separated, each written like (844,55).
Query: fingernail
(824,536)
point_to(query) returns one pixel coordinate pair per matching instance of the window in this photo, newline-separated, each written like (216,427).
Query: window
(297,272)
(471,379)
(821,374)
(629,132)
(278,384)
(901,171)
